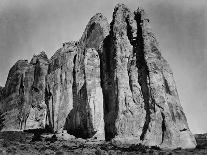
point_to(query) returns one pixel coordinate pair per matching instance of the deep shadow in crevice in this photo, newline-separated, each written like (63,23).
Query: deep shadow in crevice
(79,120)
(163,127)
(107,66)
(21,87)
(21,103)
(2,119)
(48,97)
(70,124)
(143,72)
(167,88)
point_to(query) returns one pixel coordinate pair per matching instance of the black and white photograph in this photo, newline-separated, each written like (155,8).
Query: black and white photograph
(103,77)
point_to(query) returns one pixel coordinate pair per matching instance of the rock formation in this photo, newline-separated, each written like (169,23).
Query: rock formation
(141,100)
(113,83)
(23,98)
(1,92)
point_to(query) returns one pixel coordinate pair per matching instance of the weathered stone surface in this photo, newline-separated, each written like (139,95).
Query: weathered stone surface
(74,84)
(23,101)
(12,102)
(1,92)
(59,91)
(86,118)
(96,31)
(141,100)
(123,100)
(37,114)
(113,83)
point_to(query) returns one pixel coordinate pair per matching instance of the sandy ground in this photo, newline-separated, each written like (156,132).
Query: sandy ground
(21,143)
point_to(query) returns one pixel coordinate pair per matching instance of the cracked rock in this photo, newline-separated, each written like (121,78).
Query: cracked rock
(112,84)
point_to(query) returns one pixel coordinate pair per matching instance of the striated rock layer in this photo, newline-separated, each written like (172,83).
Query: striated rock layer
(113,83)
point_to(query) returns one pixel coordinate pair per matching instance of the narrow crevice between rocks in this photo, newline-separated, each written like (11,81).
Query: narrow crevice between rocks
(167,88)
(53,113)
(2,119)
(21,87)
(21,102)
(154,104)
(84,127)
(143,73)
(163,127)
(71,115)
(108,84)
(48,96)
(104,72)
(37,72)
(183,130)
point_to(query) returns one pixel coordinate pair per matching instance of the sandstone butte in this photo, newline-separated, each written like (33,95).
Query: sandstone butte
(112,84)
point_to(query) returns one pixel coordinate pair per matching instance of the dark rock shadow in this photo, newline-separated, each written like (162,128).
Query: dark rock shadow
(79,120)
(110,104)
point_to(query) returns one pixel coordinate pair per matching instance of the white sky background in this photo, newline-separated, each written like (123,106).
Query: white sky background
(28,27)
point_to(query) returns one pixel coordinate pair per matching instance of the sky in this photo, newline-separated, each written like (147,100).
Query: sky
(28,27)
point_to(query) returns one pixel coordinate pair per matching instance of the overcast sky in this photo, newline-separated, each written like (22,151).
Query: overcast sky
(28,27)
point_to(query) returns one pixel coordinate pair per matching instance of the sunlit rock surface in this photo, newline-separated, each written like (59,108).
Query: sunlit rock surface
(113,83)
(22,103)
(141,100)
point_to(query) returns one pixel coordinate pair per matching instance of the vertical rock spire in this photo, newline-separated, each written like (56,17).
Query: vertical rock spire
(140,93)
(113,83)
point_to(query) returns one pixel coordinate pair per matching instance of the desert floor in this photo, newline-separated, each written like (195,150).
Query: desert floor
(21,143)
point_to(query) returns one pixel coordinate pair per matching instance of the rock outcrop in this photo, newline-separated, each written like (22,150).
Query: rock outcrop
(73,93)
(113,83)
(22,103)
(1,92)
(59,93)
(141,100)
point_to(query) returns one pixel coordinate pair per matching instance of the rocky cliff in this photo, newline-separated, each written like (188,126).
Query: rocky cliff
(112,84)
(22,102)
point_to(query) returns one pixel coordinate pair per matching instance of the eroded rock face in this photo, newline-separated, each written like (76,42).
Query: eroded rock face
(96,31)
(122,92)
(141,100)
(1,92)
(35,95)
(113,83)
(59,92)
(23,101)
(86,118)
(74,94)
